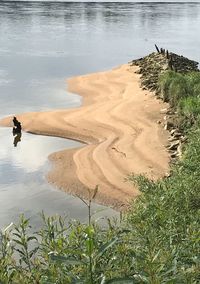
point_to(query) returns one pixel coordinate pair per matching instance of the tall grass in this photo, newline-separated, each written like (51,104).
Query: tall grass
(174,87)
(189,110)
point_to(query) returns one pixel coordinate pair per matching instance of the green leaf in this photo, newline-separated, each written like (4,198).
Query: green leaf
(18,242)
(65,259)
(106,246)
(20,251)
(7,228)
(156,256)
(31,238)
(33,251)
(17,235)
(90,231)
(120,281)
(89,246)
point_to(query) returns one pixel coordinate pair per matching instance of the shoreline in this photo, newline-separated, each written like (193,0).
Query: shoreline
(118,124)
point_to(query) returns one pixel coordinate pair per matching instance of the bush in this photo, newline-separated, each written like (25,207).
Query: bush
(165,222)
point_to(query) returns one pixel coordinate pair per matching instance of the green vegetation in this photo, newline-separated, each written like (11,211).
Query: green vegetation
(176,86)
(158,240)
(183,94)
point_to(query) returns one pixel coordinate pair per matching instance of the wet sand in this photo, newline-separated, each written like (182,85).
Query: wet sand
(118,124)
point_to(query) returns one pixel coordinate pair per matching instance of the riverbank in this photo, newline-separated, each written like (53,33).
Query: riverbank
(118,122)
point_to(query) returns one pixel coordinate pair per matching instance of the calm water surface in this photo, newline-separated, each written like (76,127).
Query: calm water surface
(41,44)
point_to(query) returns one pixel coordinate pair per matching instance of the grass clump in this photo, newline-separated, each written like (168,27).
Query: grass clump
(189,110)
(174,86)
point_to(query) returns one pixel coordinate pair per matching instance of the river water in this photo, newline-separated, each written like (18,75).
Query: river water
(42,44)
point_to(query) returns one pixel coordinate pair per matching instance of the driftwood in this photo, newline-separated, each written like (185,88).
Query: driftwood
(162,51)
(167,53)
(157,48)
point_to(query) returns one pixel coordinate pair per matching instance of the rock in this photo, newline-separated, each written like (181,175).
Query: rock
(171,139)
(159,122)
(164,110)
(179,150)
(177,134)
(173,131)
(183,139)
(168,125)
(174,155)
(174,145)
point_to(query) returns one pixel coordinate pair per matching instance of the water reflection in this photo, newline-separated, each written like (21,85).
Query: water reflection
(23,187)
(17,138)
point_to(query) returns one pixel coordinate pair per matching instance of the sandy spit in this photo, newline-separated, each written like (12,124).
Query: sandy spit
(117,123)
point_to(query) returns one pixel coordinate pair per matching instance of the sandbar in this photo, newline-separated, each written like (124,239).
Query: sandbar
(118,124)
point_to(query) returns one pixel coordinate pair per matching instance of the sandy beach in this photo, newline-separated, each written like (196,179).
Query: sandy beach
(118,124)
